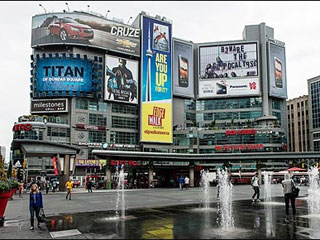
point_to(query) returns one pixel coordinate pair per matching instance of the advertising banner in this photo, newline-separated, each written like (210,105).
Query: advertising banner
(54,160)
(228,70)
(81,28)
(277,71)
(49,105)
(182,68)
(54,74)
(121,80)
(156,87)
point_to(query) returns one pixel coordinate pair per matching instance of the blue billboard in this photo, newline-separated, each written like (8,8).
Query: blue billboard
(156,60)
(53,74)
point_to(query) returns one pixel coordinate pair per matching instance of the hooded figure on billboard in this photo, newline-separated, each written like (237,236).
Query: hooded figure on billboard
(121,81)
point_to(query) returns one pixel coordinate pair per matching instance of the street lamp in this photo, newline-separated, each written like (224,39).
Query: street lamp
(88,7)
(45,10)
(107,13)
(68,7)
(129,20)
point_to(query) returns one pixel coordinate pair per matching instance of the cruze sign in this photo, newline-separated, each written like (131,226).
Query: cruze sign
(22,127)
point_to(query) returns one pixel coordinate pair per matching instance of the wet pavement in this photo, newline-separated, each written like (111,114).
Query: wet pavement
(258,220)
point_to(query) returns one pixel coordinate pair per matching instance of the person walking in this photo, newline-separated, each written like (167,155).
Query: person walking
(89,186)
(186,182)
(35,204)
(69,186)
(47,186)
(256,187)
(181,181)
(54,185)
(21,188)
(287,185)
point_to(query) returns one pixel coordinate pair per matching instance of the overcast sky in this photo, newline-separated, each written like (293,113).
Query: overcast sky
(295,23)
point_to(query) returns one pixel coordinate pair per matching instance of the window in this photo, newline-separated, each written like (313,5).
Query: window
(97,119)
(124,138)
(97,137)
(124,122)
(81,104)
(125,109)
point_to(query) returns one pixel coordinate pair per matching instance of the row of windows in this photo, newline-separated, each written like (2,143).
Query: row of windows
(124,138)
(124,122)
(237,103)
(125,109)
(85,104)
(228,115)
(276,104)
(97,137)
(97,119)
(31,135)
(58,132)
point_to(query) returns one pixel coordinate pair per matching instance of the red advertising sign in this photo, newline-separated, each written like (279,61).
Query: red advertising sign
(124,162)
(22,127)
(54,160)
(241,132)
(228,148)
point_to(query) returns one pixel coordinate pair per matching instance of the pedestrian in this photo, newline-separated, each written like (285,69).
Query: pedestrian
(54,185)
(47,186)
(256,187)
(21,188)
(35,204)
(69,186)
(181,181)
(287,185)
(186,182)
(89,186)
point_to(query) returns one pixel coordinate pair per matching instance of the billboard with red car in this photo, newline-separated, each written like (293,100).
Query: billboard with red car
(80,28)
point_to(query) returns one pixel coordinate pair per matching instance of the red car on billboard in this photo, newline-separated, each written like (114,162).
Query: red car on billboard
(67,28)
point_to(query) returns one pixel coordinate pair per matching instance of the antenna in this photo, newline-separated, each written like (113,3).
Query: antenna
(129,20)
(107,13)
(45,10)
(68,7)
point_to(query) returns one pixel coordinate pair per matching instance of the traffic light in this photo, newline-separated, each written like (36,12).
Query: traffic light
(24,164)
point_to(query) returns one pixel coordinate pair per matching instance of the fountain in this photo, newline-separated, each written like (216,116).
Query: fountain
(205,187)
(120,191)
(225,219)
(267,177)
(314,192)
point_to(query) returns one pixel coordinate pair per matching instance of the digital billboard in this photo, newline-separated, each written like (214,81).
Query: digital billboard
(55,74)
(49,105)
(81,28)
(277,71)
(227,70)
(182,64)
(121,80)
(156,78)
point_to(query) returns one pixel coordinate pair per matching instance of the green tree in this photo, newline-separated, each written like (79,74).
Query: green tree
(3,175)
(9,174)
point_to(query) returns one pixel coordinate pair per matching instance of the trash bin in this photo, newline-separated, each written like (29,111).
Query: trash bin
(108,185)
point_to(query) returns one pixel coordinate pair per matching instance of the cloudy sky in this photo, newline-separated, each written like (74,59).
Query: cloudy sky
(295,23)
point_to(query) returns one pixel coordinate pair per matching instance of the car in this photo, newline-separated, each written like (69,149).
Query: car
(76,183)
(68,28)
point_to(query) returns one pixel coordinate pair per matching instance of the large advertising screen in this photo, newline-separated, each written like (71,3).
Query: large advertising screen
(182,68)
(277,71)
(85,29)
(121,80)
(156,76)
(228,70)
(54,74)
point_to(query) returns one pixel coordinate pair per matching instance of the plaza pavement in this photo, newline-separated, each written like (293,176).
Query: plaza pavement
(17,213)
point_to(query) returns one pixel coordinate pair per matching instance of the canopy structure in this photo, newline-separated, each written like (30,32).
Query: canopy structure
(295,169)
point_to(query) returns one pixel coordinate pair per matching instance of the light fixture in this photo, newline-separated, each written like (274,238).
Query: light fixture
(40,5)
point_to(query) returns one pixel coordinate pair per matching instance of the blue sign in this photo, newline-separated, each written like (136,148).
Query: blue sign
(64,75)
(156,60)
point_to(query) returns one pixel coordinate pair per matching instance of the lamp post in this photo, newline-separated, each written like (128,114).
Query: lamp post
(129,20)
(68,7)
(107,13)
(45,10)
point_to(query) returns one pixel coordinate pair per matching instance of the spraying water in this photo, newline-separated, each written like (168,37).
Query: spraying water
(120,191)
(314,192)
(225,219)
(205,187)
(267,186)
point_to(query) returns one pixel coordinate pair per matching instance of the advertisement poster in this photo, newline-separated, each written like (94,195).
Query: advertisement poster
(277,71)
(54,74)
(81,28)
(54,161)
(228,70)
(156,76)
(182,68)
(121,80)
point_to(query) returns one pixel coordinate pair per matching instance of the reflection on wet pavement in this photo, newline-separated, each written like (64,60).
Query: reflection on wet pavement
(251,221)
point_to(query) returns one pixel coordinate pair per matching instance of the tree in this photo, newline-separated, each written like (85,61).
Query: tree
(9,174)
(3,175)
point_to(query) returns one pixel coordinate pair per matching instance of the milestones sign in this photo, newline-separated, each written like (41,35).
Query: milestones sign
(49,105)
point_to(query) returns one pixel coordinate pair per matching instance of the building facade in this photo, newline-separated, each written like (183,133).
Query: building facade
(298,125)
(314,112)
(88,89)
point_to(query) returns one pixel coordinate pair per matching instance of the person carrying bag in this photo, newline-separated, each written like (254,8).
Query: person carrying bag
(290,192)
(35,205)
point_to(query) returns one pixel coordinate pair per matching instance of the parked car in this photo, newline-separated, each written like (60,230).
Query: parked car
(76,183)
(67,28)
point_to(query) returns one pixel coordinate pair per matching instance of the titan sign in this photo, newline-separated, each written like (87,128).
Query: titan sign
(182,68)
(228,70)
(277,71)
(49,105)
(121,80)
(63,75)
(79,28)
(156,89)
